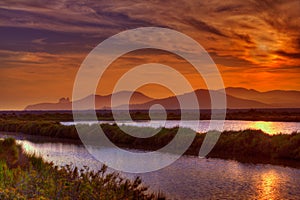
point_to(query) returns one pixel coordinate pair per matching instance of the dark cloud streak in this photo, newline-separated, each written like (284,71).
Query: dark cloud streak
(203,26)
(288,55)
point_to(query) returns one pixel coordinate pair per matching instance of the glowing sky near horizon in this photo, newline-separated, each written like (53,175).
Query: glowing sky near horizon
(255,44)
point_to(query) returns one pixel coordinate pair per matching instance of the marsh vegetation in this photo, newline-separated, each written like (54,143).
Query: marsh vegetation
(24,176)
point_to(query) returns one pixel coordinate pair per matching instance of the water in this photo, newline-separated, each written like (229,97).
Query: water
(202,126)
(189,177)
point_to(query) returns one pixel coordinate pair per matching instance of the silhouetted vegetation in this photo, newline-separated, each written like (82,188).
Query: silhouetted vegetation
(257,146)
(29,177)
(39,128)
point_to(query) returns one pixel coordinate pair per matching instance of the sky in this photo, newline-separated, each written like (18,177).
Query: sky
(255,44)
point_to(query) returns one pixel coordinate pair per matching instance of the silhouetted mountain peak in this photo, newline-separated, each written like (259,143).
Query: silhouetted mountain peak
(64,100)
(237,97)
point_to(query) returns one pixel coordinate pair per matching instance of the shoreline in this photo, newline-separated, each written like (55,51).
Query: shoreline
(247,146)
(253,160)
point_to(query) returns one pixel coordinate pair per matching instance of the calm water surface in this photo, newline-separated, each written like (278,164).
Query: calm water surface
(189,177)
(202,126)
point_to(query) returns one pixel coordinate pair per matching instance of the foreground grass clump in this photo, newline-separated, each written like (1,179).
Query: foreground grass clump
(29,177)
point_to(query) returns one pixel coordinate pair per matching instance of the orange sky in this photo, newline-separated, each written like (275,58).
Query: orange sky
(255,44)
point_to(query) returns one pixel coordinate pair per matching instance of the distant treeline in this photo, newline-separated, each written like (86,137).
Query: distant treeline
(247,145)
(284,115)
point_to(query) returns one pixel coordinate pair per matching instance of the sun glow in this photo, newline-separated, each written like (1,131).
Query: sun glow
(267,127)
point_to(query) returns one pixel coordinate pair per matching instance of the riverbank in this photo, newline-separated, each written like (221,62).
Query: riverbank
(24,176)
(253,146)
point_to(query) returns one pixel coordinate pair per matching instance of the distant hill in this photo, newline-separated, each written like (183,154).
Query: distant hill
(100,101)
(275,98)
(204,100)
(237,98)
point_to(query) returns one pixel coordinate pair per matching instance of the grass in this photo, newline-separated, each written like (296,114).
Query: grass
(29,177)
(255,145)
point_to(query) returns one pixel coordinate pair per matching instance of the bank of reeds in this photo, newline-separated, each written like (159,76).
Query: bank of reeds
(29,177)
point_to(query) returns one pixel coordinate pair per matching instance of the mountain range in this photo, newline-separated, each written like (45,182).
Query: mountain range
(237,98)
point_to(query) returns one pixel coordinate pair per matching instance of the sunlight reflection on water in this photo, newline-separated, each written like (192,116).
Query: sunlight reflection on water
(272,127)
(268,186)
